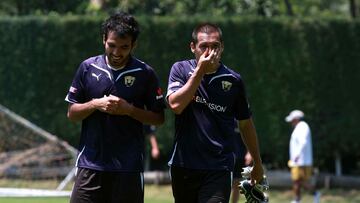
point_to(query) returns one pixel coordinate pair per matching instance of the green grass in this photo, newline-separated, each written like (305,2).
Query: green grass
(34,200)
(162,194)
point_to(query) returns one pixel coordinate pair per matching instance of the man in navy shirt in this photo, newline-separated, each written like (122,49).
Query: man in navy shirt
(206,97)
(242,159)
(113,95)
(149,131)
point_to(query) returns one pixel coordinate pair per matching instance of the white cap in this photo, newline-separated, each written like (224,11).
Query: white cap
(295,114)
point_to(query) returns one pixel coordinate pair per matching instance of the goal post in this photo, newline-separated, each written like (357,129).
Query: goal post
(29,152)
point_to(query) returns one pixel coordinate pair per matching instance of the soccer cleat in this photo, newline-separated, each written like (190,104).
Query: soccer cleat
(246,173)
(317,196)
(254,193)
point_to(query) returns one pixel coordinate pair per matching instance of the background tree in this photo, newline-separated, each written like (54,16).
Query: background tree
(330,38)
(353,8)
(268,8)
(289,9)
(29,7)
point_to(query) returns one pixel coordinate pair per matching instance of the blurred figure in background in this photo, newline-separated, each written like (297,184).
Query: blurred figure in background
(301,156)
(149,132)
(243,159)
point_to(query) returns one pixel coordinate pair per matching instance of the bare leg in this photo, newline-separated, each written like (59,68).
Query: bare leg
(311,187)
(235,192)
(297,189)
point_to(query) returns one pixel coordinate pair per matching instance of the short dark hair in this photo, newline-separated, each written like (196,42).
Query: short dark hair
(122,24)
(205,28)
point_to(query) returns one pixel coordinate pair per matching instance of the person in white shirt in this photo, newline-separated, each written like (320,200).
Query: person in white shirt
(301,156)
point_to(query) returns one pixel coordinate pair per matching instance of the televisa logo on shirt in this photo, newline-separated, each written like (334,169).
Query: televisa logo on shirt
(159,94)
(211,106)
(72,89)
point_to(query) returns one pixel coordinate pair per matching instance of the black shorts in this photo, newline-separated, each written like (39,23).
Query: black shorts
(200,186)
(93,186)
(239,164)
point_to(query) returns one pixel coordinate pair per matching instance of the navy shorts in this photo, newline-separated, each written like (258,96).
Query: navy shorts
(93,186)
(200,186)
(239,164)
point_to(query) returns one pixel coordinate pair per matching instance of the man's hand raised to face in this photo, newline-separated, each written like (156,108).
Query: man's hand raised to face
(209,60)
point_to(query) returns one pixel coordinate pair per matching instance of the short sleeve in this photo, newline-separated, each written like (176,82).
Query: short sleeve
(155,99)
(176,79)
(76,90)
(149,129)
(242,106)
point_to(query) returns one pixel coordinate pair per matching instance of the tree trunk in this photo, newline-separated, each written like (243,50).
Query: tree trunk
(338,165)
(353,8)
(261,7)
(289,10)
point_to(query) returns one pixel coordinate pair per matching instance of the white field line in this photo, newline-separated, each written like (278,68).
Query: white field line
(24,192)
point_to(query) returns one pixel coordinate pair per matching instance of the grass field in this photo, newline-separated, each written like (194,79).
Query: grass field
(162,194)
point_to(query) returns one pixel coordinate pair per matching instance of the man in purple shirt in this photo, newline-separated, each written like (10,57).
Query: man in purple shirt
(113,95)
(242,159)
(206,97)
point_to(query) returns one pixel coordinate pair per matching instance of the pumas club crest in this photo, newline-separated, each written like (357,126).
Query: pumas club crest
(226,85)
(129,81)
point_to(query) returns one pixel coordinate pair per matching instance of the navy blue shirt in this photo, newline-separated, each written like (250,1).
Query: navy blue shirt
(149,129)
(114,142)
(240,149)
(205,130)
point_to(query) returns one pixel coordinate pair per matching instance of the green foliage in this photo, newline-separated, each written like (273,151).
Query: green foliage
(27,7)
(286,63)
(38,61)
(217,8)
